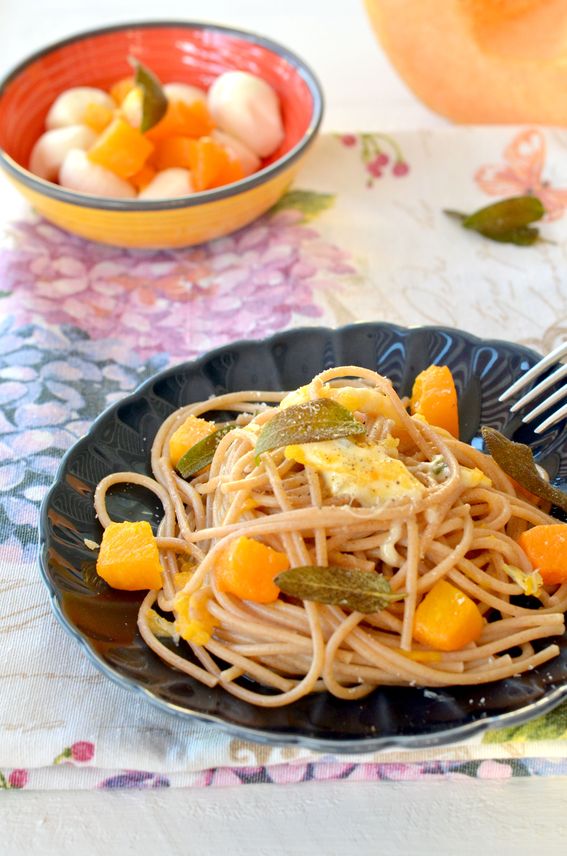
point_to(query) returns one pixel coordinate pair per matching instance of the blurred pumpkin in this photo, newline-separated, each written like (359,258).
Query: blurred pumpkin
(480,60)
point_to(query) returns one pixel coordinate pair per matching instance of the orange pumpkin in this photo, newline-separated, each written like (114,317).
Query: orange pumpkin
(128,558)
(546,548)
(435,398)
(447,619)
(247,569)
(480,60)
(188,433)
(121,148)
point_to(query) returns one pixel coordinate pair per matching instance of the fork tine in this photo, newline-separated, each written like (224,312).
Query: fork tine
(554,378)
(551,420)
(558,353)
(546,404)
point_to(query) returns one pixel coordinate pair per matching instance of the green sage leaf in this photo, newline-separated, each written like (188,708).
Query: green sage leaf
(362,591)
(506,221)
(321,419)
(506,215)
(154,100)
(309,202)
(517,461)
(523,236)
(202,453)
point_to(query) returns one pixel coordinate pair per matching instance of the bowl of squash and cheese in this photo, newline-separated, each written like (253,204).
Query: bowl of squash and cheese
(157,134)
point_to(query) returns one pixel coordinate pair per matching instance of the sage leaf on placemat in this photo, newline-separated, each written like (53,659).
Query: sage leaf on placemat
(362,591)
(202,453)
(309,202)
(154,100)
(506,221)
(523,236)
(321,419)
(517,461)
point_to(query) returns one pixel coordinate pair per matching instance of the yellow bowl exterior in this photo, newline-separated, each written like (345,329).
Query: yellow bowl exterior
(174,227)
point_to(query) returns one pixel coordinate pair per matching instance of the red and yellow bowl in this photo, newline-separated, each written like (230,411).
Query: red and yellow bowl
(191,52)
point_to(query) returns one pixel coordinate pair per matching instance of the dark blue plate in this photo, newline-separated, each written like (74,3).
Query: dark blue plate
(103,620)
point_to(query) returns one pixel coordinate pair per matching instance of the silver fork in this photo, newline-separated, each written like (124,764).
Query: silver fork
(554,356)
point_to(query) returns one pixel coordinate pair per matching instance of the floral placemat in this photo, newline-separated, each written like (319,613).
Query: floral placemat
(362,236)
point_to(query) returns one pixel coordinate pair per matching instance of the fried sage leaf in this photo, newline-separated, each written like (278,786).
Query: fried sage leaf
(506,221)
(321,419)
(517,461)
(523,236)
(506,215)
(154,100)
(359,590)
(202,453)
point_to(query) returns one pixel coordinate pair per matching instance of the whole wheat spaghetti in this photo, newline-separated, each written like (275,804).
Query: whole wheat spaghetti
(460,525)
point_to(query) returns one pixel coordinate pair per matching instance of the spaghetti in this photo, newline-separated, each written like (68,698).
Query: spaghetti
(455,528)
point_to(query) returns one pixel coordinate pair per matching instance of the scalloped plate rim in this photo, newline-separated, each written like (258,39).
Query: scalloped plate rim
(344,746)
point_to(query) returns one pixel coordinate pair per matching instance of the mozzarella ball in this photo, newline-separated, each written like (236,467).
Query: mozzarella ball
(52,147)
(184,92)
(167,183)
(79,173)
(249,161)
(69,107)
(248,108)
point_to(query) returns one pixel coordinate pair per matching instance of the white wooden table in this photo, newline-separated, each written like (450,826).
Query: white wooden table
(518,816)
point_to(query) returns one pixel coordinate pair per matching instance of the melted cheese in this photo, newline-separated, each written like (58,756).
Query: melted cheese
(473,477)
(365,473)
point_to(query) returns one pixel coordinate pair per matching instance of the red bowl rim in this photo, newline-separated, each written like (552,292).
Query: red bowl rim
(55,191)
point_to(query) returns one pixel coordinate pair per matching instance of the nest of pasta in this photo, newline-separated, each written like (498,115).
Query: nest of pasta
(329,539)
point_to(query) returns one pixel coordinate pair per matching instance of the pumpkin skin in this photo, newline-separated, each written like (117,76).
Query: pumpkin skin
(484,61)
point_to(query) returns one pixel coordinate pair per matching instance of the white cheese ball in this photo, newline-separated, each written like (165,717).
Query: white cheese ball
(248,108)
(167,183)
(249,160)
(69,107)
(52,147)
(79,173)
(184,92)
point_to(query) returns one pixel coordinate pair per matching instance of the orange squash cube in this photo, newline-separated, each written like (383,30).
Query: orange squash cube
(208,160)
(435,398)
(189,433)
(247,570)
(128,558)
(172,152)
(447,619)
(121,149)
(97,116)
(182,120)
(232,171)
(143,177)
(546,548)
(120,89)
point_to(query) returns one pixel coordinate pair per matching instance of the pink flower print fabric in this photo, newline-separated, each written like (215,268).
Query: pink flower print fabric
(178,302)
